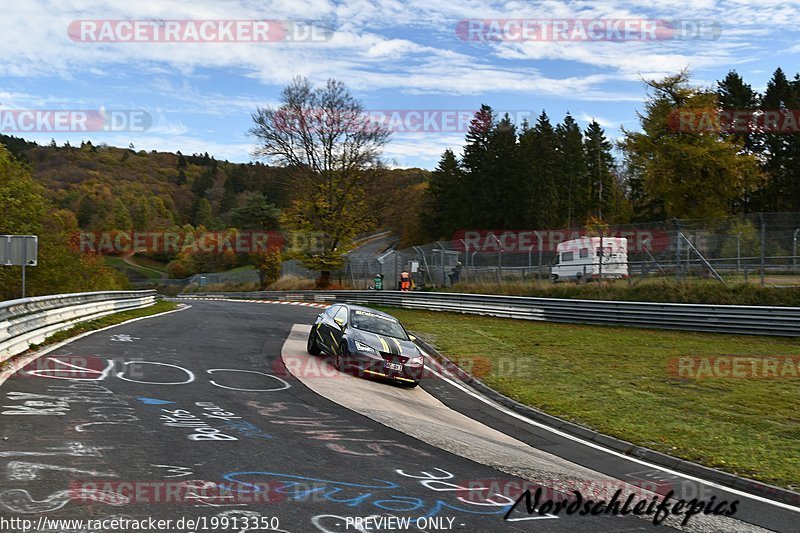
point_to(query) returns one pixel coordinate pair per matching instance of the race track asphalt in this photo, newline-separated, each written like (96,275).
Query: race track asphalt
(193,416)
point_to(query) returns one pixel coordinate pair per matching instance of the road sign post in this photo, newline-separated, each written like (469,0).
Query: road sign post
(19,250)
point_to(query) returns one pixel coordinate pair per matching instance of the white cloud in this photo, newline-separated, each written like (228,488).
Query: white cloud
(409,48)
(586,117)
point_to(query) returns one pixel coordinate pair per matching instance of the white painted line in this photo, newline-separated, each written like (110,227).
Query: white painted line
(240,300)
(19,364)
(610,451)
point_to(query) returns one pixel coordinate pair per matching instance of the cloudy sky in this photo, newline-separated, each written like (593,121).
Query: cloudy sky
(395,56)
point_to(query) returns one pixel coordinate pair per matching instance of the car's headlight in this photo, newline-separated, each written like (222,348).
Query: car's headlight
(361,347)
(415,361)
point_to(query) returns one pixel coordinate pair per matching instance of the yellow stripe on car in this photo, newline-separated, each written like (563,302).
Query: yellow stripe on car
(381,374)
(399,348)
(383,343)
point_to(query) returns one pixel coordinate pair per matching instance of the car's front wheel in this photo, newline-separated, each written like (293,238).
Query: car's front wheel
(312,347)
(339,357)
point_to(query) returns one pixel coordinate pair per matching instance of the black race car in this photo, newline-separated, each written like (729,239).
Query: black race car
(368,343)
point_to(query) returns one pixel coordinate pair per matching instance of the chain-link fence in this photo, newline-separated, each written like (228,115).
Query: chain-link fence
(758,248)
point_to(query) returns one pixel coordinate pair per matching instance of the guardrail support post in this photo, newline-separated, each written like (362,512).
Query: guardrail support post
(763,246)
(677,251)
(738,252)
(541,245)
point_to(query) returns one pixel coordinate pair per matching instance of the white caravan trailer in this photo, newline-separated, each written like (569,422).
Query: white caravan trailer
(579,259)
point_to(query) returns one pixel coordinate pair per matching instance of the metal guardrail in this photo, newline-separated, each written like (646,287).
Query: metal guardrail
(30,321)
(749,320)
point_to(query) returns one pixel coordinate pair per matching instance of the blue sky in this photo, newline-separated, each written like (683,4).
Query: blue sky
(393,55)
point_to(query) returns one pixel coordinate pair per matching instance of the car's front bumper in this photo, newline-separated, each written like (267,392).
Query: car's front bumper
(372,365)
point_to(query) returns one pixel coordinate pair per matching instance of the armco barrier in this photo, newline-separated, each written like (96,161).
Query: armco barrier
(749,320)
(31,320)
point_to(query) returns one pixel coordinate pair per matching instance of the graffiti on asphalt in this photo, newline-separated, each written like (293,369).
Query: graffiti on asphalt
(338,434)
(378,495)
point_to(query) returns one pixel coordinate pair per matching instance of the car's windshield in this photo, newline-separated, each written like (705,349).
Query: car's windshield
(380,324)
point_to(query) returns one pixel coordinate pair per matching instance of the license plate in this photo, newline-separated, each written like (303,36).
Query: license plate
(394,366)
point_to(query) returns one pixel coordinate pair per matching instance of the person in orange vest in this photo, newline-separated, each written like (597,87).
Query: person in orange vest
(405,281)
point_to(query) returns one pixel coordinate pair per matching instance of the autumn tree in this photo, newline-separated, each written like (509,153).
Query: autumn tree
(61,265)
(330,153)
(684,173)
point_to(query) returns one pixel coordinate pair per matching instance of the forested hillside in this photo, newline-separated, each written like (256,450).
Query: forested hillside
(108,188)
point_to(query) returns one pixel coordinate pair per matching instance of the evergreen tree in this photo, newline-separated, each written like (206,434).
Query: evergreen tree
(734,94)
(256,214)
(475,167)
(444,207)
(501,203)
(780,149)
(203,182)
(539,159)
(202,215)
(86,210)
(574,184)
(600,172)
(228,200)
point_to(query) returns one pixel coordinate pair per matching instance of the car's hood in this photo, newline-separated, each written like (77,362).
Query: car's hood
(384,343)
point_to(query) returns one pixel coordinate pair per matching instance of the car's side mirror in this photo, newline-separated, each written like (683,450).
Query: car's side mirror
(339,321)
(412,338)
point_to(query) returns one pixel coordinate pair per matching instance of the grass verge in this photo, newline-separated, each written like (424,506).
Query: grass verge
(698,292)
(147,262)
(617,381)
(131,271)
(160,306)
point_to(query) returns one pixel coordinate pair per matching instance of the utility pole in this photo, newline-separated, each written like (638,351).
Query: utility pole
(600,206)
(599,184)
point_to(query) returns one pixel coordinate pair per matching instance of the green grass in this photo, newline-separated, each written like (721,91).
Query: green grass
(696,291)
(139,272)
(148,262)
(616,381)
